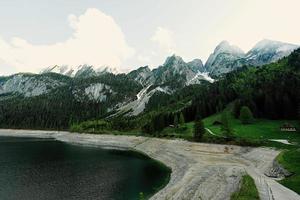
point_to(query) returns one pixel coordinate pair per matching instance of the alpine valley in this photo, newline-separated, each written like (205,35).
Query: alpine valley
(61,96)
(211,124)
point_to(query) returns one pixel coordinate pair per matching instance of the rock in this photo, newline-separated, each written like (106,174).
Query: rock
(277,171)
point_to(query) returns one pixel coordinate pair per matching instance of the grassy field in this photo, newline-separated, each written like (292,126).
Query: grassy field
(260,129)
(247,190)
(185,131)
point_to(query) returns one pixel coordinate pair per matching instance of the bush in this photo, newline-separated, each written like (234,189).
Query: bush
(246,115)
(225,127)
(181,119)
(90,126)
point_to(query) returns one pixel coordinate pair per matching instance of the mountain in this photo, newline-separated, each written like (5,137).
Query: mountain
(98,92)
(168,78)
(79,71)
(227,58)
(270,91)
(224,59)
(178,72)
(268,51)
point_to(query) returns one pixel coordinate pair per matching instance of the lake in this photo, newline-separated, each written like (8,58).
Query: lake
(32,168)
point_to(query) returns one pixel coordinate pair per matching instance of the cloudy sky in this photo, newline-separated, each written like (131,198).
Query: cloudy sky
(126,34)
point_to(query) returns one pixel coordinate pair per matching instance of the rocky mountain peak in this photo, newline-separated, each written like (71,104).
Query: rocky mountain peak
(224,59)
(225,47)
(173,60)
(143,75)
(267,51)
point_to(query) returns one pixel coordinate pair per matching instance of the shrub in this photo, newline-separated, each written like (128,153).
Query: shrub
(225,127)
(246,115)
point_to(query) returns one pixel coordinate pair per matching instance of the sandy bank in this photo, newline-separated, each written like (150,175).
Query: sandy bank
(199,171)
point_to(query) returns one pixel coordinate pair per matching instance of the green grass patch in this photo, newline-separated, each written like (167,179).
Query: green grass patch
(290,159)
(261,129)
(185,131)
(247,191)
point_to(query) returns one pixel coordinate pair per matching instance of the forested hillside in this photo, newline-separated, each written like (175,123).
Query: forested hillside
(53,101)
(81,99)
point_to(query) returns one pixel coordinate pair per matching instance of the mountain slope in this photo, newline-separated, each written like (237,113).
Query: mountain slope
(30,85)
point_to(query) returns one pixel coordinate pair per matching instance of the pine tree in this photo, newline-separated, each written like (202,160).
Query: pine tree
(181,119)
(199,129)
(287,107)
(236,108)
(141,196)
(246,115)
(225,127)
(176,121)
(298,114)
(270,107)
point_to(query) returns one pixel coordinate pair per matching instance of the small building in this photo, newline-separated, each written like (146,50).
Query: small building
(287,127)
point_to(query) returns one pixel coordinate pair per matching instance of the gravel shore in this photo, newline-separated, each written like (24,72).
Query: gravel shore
(199,170)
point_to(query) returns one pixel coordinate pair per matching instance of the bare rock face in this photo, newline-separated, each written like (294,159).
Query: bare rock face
(29,85)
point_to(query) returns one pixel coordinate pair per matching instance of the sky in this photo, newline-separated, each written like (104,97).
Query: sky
(127,34)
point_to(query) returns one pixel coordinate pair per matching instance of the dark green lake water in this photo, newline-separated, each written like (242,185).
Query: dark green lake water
(41,169)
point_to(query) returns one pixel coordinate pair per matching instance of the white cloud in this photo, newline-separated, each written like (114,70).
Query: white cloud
(97,40)
(165,39)
(143,58)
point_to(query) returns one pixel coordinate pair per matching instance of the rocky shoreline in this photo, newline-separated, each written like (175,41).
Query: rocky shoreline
(199,170)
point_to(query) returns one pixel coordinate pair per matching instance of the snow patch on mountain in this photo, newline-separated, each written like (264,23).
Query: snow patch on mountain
(200,77)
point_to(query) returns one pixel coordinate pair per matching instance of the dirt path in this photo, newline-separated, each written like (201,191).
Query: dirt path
(199,170)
